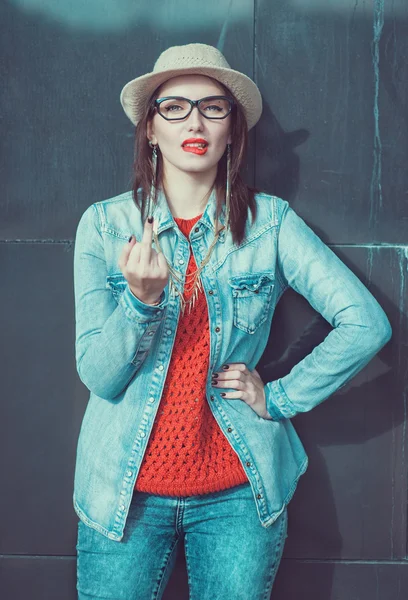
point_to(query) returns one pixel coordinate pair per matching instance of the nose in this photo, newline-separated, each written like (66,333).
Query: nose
(195,119)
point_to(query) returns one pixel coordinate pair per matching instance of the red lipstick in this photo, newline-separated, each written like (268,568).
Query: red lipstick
(195,149)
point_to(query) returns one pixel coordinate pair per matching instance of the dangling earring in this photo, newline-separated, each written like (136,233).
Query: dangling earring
(228,189)
(154,179)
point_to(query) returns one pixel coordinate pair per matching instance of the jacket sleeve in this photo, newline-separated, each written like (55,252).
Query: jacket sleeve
(361,327)
(112,337)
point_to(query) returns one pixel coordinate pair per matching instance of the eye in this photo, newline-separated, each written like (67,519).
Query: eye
(169,108)
(213,106)
(174,105)
(218,106)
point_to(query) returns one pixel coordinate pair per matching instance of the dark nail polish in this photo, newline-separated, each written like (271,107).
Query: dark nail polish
(215,375)
(225,367)
(150,219)
(130,239)
(222,393)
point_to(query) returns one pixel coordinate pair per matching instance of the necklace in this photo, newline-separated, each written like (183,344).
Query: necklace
(176,284)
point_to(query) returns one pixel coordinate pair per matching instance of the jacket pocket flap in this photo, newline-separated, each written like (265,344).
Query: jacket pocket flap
(252,281)
(116,282)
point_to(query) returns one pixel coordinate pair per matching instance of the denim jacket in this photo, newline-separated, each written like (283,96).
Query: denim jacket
(123,346)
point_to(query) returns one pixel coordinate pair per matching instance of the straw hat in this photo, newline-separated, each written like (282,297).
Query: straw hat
(199,59)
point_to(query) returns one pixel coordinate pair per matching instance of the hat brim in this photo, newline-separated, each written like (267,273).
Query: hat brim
(136,91)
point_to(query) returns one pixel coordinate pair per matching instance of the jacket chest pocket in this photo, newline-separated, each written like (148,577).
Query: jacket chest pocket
(251,296)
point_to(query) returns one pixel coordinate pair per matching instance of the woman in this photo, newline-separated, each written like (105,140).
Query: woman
(165,451)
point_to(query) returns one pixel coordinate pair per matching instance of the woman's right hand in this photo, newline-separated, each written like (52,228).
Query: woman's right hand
(145,270)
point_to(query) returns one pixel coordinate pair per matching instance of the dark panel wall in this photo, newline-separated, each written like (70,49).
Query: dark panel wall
(338,69)
(332,140)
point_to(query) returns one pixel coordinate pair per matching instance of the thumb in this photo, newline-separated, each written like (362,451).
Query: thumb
(256,374)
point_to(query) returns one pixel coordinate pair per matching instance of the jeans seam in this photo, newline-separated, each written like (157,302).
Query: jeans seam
(278,555)
(159,583)
(187,567)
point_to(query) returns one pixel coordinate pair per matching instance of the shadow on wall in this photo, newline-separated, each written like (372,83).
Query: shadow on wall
(278,157)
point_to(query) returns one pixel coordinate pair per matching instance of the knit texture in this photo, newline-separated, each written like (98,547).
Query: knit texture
(187,453)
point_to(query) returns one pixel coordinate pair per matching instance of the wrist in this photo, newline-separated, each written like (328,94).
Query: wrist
(147,300)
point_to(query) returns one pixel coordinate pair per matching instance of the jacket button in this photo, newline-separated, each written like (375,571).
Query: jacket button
(248,464)
(217,329)
(211,397)
(210,292)
(229,429)
(142,434)
(258,496)
(197,229)
(129,473)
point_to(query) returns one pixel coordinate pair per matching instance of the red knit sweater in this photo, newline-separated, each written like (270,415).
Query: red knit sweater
(187,452)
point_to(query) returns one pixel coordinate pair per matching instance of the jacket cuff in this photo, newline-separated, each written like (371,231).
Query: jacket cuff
(138,310)
(278,404)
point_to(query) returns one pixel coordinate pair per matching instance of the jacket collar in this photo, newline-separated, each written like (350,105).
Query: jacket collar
(163,218)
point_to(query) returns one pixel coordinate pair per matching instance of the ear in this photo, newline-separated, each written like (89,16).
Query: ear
(229,140)
(150,132)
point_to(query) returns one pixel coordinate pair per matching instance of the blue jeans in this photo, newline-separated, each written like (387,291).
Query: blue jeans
(229,554)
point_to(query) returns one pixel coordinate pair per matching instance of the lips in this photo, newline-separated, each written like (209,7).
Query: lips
(195,150)
(200,146)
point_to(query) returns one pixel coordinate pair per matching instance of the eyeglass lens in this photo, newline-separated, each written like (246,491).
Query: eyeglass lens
(179,108)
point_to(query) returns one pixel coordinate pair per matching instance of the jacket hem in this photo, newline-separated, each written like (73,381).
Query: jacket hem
(236,477)
(109,534)
(269,521)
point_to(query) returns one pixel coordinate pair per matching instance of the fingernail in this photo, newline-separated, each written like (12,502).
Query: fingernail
(222,393)
(130,239)
(214,375)
(150,219)
(225,367)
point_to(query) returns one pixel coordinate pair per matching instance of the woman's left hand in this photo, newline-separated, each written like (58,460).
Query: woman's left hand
(249,386)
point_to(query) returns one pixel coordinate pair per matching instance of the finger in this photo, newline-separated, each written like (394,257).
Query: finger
(239,395)
(231,366)
(134,255)
(231,374)
(232,383)
(146,243)
(124,255)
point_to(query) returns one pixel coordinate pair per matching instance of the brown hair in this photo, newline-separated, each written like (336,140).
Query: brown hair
(242,195)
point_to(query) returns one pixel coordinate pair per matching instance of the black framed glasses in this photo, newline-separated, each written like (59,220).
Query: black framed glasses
(176,108)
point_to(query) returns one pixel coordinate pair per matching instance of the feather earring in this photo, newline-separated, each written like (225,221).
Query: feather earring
(228,189)
(154,178)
